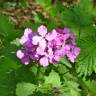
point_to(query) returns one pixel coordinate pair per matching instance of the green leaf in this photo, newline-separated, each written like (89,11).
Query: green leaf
(70,88)
(75,17)
(7,84)
(90,87)
(62,69)
(25,89)
(65,62)
(53,79)
(16,42)
(8,32)
(8,61)
(44,2)
(86,62)
(33,69)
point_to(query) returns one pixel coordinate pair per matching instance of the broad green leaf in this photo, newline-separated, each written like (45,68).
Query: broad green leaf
(7,29)
(53,79)
(25,89)
(7,84)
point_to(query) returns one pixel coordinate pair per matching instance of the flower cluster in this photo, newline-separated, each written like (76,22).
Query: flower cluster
(47,47)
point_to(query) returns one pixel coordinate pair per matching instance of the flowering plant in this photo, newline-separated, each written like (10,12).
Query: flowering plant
(56,53)
(47,47)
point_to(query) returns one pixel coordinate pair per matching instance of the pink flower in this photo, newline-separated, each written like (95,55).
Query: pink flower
(40,40)
(73,54)
(47,47)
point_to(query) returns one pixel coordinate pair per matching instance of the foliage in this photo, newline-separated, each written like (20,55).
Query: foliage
(62,79)
(25,89)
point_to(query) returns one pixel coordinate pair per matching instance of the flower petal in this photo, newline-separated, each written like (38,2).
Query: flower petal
(20,54)
(51,36)
(76,51)
(40,51)
(23,40)
(42,30)
(36,40)
(25,60)
(42,43)
(73,54)
(27,32)
(44,61)
(66,30)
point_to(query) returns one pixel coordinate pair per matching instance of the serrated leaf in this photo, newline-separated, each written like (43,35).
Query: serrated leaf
(91,86)
(86,63)
(70,88)
(25,89)
(73,18)
(53,79)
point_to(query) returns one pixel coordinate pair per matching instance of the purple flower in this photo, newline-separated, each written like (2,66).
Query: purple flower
(47,47)
(40,40)
(73,54)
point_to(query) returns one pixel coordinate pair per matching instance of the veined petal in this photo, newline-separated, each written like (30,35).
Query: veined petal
(42,30)
(44,61)
(36,40)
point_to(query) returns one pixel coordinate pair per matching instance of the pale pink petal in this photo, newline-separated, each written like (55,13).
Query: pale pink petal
(50,55)
(40,51)
(50,51)
(42,43)
(57,58)
(42,30)
(36,40)
(27,32)
(66,36)
(20,54)
(44,61)
(51,36)
(71,57)
(23,40)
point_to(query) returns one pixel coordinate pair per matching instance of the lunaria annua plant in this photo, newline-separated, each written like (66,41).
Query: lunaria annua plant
(47,47)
